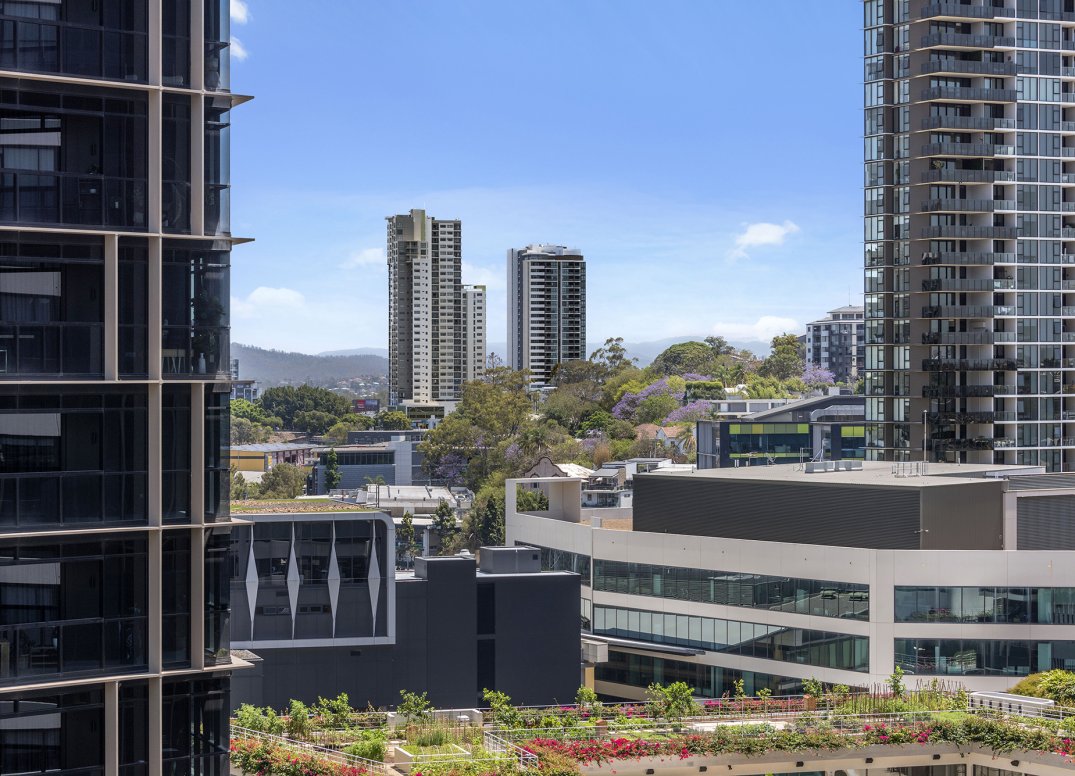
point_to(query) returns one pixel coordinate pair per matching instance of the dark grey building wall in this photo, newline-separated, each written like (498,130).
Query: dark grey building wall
(535,641)
(965,516)
(766,510)
(537,652)
(1045,523)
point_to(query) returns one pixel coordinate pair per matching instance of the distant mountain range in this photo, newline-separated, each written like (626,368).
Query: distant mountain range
(276,367)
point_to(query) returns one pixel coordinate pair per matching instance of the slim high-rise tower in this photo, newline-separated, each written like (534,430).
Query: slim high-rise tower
(970,231)
(474,319)
(114,267)
(546,309)
(428,341)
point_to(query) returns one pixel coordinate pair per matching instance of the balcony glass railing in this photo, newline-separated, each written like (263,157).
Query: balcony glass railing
(965,11)
(67,199)
(953,204)
(969,93)
(51,349)
(957,175)
(965,40)
(968,66)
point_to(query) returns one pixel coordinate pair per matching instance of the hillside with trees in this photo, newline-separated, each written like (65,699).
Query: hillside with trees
(277,367)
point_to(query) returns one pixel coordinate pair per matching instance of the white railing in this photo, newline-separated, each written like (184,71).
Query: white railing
(332,755)
(505,749)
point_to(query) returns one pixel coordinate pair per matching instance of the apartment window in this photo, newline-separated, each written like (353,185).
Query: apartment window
(53,731)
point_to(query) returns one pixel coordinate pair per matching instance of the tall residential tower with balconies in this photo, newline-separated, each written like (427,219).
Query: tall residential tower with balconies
(115,243)
(546,309)
(970,231)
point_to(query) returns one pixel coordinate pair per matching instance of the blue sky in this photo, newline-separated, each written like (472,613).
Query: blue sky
(705,155)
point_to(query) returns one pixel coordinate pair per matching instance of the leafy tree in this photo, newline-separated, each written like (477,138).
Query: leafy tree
(683,358)
(815,375)
(240,488)
(332,469)
(568,407)
(785,361)
(655,408)
(599,420)
(712,390)
(247,432)
(444,523)
(286,402)
(337,432)
(531,500)
(285,480)
(414,708)
(393,420)
(671,702)
(612,356)
(313,421)
(491,524)
(254,412)
(720,346)
(408,537)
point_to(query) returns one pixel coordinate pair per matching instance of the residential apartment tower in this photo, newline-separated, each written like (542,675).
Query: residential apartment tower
(836,343)
(546,309)
(114,382)
(428,343)
(970,231)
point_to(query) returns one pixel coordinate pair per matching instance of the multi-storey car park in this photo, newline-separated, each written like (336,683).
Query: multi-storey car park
(114,380)
(970,231)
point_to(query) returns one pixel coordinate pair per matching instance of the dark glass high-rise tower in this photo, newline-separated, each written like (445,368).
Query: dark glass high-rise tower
(114,276)
(970,231)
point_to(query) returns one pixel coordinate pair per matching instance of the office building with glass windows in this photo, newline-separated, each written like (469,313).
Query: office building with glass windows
(777,574)
(114,383)
(546,309)
(970,231)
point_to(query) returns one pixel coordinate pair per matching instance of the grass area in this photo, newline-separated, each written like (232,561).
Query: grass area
(452,749)
(261,506)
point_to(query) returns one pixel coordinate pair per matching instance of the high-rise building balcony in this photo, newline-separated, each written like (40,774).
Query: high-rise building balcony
(969,122)
(974,443)
(964,11)
(968,94)
(967,311)
(968,418)
(967,284)
(985,150)
(979,258)
(963,231)
(958,175)
(965,40)
(949,65)
(969,337)
(957,391)
(955,205)
(971,365)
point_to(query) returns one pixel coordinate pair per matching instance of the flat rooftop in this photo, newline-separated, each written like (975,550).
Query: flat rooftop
(872,473)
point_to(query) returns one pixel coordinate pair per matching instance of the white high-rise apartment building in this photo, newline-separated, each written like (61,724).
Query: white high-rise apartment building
(546,309)
(836,342)
(429,342)
(474,309)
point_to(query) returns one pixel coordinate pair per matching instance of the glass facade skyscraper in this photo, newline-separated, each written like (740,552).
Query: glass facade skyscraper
(970,231)
(114,277)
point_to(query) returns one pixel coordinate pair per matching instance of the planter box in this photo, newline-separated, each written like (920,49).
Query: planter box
(406,761)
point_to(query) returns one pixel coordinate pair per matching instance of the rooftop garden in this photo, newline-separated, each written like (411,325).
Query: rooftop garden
(263,506)
(333,739)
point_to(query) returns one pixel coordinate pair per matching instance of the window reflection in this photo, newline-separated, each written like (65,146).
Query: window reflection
(986,604)
(72,605)
(826,598)
(771,642)
(973,657)
(72,159)
(75,457)
(196,283)
(705,681)
(52,731)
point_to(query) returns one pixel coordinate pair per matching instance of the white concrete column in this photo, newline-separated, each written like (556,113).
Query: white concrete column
(197,453)
(198,537)
(111,728)
(155,42)
(111,304)
(197,45)
(197,164)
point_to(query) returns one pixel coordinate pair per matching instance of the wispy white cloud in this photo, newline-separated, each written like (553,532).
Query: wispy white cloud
(363,258)
(264,301)
(759,234)
(477,275)
(240,11)
(762,330)
(238,50)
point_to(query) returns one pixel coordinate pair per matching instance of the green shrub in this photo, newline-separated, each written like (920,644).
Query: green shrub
(262,720)
(299,725)
(431,736)
(371,745)
(334,712)
(414,707)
